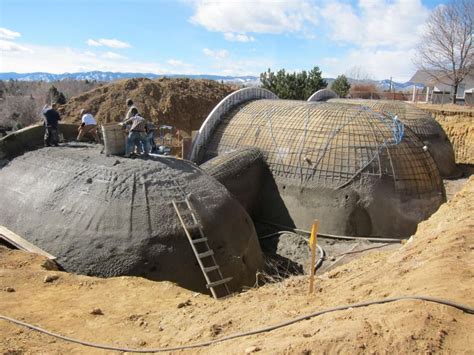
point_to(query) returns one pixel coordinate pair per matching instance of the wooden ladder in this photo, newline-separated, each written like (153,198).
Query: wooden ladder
(203,253)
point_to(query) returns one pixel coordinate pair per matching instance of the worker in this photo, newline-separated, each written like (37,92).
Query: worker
(150,135)
(88,126)
(137,135)
(51,120)
(130,107)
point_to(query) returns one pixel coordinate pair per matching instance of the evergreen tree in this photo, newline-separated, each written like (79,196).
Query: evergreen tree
(341,86)
(294,86)
(56,96)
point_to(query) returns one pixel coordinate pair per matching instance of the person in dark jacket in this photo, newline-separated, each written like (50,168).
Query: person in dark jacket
(51,120)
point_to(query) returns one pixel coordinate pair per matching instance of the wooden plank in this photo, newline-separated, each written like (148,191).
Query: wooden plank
(22,244)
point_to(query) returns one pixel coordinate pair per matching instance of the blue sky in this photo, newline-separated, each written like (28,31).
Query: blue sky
(373,38)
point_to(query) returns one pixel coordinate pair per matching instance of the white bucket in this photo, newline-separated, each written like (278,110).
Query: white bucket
(114,139)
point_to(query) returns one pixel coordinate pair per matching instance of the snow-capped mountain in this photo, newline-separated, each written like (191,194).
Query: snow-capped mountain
(111,76)
(248,80)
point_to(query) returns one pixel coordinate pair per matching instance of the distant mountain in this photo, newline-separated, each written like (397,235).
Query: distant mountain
(111,76)
(248,80)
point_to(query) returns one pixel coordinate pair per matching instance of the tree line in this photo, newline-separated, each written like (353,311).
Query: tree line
(301,85)
(21,101)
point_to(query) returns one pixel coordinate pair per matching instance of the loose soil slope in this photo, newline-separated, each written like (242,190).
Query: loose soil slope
(183,103)
(458,123)
(138,313)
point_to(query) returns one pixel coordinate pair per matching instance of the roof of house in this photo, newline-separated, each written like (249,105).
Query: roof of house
(433,77)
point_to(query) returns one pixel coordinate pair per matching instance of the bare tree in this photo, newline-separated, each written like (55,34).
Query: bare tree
(447,50)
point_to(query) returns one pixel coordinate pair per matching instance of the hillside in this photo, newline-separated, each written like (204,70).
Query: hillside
(457,121)
(137,313)
(183,103)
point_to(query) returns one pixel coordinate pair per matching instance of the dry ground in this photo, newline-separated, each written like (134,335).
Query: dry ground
(457,122)
(143,314)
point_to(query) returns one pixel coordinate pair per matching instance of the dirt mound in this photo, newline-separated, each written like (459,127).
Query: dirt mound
(138,313)
(183,103)
(458,123)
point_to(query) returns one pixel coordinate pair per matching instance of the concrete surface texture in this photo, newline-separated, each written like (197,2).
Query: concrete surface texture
(110,216)
(243,173)
(359,172)
(323,95)
(28,138)
(422,124)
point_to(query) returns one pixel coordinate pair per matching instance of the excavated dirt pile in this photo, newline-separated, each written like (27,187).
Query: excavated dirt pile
(110,216)
(458,123)
(182,103)
(137,313)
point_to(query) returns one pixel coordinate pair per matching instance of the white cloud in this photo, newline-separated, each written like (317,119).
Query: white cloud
(177,63)
(8,46)
(8,34)
(64,59)
(397,24)
(111,43)
(238,37)
(216,54)
(376,63)
(381,36)
(112,55)
(258,16)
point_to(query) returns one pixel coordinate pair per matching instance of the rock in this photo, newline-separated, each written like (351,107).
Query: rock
(50,278)
(49,265)
(184,304)
(97,312)
(9,289)
(252,349)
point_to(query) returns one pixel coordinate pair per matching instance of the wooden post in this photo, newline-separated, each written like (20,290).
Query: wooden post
(313,241)
(186,148)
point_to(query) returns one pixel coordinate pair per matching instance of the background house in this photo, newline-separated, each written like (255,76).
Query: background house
(437,90)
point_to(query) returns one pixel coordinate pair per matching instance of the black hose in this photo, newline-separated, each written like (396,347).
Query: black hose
(459,306)
(333,236)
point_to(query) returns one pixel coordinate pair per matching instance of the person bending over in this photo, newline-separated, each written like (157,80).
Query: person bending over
(88,126)
(137,135)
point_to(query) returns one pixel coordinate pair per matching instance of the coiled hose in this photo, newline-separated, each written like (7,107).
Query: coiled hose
(464,308)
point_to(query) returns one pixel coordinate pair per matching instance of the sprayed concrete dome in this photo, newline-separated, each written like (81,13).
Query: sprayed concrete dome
(359,172)
(422,124)
(111,216)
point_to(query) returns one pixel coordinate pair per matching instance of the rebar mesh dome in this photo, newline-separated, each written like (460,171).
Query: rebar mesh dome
(329,145)
(418,120)
(421,123)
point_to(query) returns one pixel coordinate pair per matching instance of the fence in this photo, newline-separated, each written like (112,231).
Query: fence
(440,98)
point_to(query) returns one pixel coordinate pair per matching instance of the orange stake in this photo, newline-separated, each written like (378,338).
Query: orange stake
(313,241)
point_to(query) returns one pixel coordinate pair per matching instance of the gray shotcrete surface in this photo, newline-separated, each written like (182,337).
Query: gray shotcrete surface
(111,216)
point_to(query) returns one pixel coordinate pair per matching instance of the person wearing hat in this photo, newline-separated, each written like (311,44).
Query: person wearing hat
(88,126)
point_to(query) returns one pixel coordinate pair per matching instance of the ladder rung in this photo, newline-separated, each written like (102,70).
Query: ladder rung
(193,226)
(211,268)
(220,282)
(200,240)
(185,212)
(205,254)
